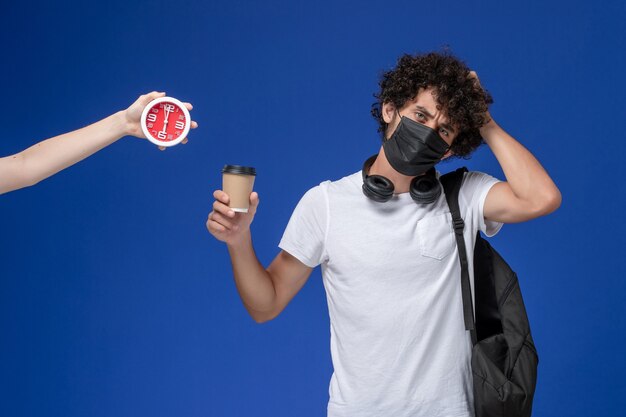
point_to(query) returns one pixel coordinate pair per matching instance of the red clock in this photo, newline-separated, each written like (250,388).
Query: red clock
(165,121)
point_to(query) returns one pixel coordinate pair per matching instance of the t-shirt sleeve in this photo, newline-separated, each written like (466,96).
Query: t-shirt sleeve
(305,235)
(472,196)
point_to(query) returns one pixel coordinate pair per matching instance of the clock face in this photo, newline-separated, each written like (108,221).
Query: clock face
(165,121)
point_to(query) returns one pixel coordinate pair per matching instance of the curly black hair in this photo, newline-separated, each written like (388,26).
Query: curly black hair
(456,93)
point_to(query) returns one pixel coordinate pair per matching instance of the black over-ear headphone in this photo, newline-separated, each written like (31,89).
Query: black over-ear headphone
(425,189)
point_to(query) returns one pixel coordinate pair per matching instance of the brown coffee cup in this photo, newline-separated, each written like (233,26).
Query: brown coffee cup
(237,182)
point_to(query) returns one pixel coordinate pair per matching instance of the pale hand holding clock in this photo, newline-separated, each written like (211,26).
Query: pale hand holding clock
(52,155)
(133,115)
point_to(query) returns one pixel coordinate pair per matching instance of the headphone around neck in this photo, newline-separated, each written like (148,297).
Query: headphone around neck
(424,189)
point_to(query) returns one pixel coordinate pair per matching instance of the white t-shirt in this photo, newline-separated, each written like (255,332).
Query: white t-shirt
(393,285)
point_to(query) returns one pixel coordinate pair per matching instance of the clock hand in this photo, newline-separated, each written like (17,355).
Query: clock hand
(167,114)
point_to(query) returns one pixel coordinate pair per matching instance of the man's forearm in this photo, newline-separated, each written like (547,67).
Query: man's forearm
(525,175)
(253,282)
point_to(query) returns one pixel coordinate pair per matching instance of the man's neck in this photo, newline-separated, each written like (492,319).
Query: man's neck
(381,166)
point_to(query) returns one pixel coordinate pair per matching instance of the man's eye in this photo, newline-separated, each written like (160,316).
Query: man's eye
(420,116)
(444,132)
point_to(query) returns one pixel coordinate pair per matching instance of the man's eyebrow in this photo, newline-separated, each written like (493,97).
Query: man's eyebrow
(423,110)
(447,126)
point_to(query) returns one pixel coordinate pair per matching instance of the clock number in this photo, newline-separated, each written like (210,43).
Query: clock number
(169,107)
(162,135)
(152,117)
(154,110)
(179,125)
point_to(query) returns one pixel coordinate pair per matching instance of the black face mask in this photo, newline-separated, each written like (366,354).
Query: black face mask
(414,148)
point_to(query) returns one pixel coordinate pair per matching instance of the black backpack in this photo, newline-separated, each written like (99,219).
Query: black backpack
(504,357)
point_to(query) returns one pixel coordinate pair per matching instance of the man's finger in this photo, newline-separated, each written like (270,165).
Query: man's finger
(474,76)
(153,95)
(223,209)
(221,219)
(221,196)
(254,199)
(213,225)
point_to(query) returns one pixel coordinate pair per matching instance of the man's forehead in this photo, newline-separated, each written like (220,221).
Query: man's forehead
(427,98)
(428,103)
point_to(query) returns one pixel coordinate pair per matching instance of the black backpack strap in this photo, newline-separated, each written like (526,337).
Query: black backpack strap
(451,185)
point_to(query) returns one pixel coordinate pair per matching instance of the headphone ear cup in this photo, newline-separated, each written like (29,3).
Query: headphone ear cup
(378,188)
(425,189)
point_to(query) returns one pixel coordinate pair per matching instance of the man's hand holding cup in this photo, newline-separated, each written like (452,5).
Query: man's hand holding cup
(235,206)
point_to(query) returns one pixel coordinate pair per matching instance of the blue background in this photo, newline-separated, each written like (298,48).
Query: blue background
(116,301)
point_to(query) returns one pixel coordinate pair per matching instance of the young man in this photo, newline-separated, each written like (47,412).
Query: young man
(391,269)
(50,156)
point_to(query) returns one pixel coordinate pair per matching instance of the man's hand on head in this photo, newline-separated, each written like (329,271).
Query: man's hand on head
(474,76)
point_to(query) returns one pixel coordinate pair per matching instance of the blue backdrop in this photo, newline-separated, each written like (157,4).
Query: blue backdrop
(116,301)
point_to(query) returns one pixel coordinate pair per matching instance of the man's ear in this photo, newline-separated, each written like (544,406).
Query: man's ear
(388,112)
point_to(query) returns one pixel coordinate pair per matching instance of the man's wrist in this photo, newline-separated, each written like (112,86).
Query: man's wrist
(489,129)
(245,240)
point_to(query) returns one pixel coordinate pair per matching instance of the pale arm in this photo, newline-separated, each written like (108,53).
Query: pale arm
(50,156)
